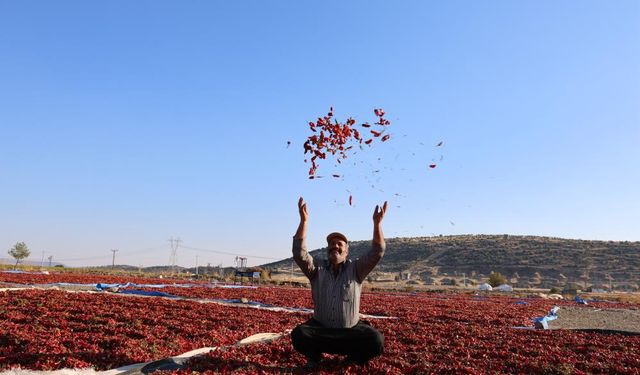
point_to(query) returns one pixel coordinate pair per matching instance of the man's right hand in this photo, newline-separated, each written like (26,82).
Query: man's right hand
(302,209)
(300,253)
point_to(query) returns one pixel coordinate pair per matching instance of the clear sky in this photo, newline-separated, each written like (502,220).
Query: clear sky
(124,123)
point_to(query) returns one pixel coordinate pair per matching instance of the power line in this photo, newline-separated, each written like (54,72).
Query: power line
(91,258)
(175,244)
(227,253)
(129,253)
(126,254)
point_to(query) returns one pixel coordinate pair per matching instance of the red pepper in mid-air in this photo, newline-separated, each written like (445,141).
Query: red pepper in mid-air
(334,137)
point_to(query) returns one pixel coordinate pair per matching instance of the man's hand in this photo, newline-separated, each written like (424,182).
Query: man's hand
(378,213)
(304,216)
(300,253)
(367,263)
(302,209)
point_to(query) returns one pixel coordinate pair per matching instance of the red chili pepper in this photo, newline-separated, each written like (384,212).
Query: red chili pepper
(350,200)
(336,138)
(465,343)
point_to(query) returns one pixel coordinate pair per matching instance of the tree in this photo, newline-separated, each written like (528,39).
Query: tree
(19,251)
(265,275)
(497,279)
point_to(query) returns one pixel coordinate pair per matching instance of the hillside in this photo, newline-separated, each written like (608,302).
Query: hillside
(26,262)
(525,260)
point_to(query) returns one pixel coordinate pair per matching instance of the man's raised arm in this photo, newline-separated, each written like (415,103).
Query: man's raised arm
(300,253)
(366,264)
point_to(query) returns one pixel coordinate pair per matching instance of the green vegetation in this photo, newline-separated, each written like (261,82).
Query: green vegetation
(19,251)
(496,279)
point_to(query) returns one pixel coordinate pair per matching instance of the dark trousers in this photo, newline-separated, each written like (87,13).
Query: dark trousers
(360,342)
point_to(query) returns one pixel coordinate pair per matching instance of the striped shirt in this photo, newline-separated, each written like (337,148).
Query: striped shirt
(336,297)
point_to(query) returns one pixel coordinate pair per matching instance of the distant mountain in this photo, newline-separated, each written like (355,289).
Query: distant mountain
(27,262)
(167,270)
(526,260)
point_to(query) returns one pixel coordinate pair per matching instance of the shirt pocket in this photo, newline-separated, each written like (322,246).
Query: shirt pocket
(347,292)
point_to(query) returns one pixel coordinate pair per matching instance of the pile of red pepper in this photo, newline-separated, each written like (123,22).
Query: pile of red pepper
(433,333)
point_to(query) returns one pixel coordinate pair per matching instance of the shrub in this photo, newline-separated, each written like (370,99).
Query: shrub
(409,288)
(496,279)
(265,275)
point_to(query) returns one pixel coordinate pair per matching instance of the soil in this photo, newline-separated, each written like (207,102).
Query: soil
(597,319)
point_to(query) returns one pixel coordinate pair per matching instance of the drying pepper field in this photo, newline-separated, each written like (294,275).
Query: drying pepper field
(50,329)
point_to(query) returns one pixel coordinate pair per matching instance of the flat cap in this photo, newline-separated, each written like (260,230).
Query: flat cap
(337,234)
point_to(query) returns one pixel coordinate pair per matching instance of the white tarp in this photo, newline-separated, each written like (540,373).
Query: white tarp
(503,288)
(485,286)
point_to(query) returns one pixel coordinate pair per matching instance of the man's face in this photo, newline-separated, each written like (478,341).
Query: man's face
(337,251)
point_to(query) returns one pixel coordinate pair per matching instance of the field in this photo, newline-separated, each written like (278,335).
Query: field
(49,329)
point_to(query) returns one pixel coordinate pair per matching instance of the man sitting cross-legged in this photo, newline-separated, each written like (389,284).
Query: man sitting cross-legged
(336,284)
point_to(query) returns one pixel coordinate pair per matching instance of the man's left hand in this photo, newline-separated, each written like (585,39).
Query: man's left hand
(378,213)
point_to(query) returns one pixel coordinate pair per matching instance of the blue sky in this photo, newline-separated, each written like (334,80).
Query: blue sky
(125,123)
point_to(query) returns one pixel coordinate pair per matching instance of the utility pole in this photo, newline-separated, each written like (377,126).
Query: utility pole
(241,263)
(464,279)
(42,262)
(175,243)
(196,266)
(50,257)
(113,261)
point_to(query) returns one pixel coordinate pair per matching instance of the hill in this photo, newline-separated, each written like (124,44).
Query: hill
(527,261)
(26,262)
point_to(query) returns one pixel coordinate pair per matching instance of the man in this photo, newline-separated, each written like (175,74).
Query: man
(336,327)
